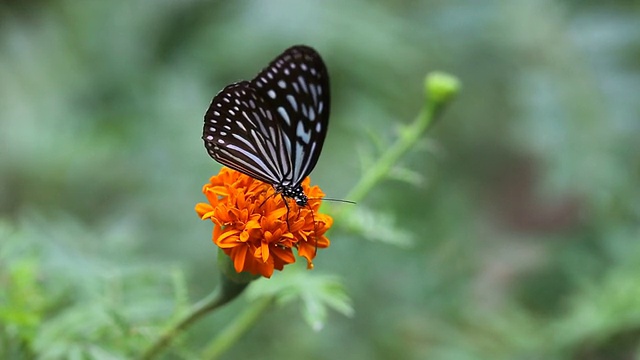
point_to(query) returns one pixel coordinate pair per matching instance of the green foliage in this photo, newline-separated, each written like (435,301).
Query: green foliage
(22,301)
(51,311)
(317,294)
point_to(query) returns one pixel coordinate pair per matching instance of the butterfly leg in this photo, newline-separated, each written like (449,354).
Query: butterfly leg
(286,204)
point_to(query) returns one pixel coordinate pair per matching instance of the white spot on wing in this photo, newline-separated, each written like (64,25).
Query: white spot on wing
(255,160)
(243,140)
(272,94)
(293,102)
(314,94)
(305,136)
(240,124)
(284,115)
(303,84)
(299,156)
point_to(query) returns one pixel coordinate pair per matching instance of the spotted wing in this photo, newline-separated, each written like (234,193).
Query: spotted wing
(241,132)
(295,86)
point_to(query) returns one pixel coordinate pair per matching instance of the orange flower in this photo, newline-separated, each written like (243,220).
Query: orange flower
(253,226)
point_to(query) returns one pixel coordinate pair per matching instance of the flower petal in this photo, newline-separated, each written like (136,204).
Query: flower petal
(239,255)
(257,228)
(265,251)
(205,211)
(228,239)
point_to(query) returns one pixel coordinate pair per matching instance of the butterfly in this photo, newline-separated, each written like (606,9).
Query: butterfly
(272,128)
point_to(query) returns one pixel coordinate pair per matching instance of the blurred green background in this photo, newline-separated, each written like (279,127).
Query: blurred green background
(511,232)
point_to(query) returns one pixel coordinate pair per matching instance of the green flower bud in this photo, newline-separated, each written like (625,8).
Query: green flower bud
(441,87)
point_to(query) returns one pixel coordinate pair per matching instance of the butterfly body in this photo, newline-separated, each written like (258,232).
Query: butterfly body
(273,127)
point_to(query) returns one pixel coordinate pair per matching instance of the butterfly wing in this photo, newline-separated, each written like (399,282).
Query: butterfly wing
(240,132)
(296,87)
(273,127)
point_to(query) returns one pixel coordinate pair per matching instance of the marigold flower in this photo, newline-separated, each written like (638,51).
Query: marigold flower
(255,229)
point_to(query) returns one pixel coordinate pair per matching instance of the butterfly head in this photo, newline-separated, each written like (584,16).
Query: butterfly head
(294,192)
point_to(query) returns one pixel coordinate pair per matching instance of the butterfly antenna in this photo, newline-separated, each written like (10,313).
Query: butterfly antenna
(335,200)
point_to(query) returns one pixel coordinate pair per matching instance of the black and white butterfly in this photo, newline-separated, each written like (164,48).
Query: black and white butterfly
(272,128)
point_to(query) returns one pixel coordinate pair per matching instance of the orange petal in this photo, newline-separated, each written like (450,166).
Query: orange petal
(265,251)
(255,228)
(205,211)
(228,239)
(219,190)
(277,214)
(284,254)
(266,269)
(217,231)
(239,255)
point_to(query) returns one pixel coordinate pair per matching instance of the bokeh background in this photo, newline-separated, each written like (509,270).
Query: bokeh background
(511,232)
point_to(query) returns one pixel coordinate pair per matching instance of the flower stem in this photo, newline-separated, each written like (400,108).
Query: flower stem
(440,88)
(226,292)
(236,329)
(408,138)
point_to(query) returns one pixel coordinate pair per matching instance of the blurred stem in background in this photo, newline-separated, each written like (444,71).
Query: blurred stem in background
(231,285)
(238,327)
(440,89)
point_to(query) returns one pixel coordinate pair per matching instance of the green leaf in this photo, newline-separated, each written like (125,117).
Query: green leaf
(377,226)
(316,293)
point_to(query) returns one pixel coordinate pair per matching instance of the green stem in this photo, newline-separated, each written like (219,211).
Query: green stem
(236,329)
(408,138)
(223,294)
